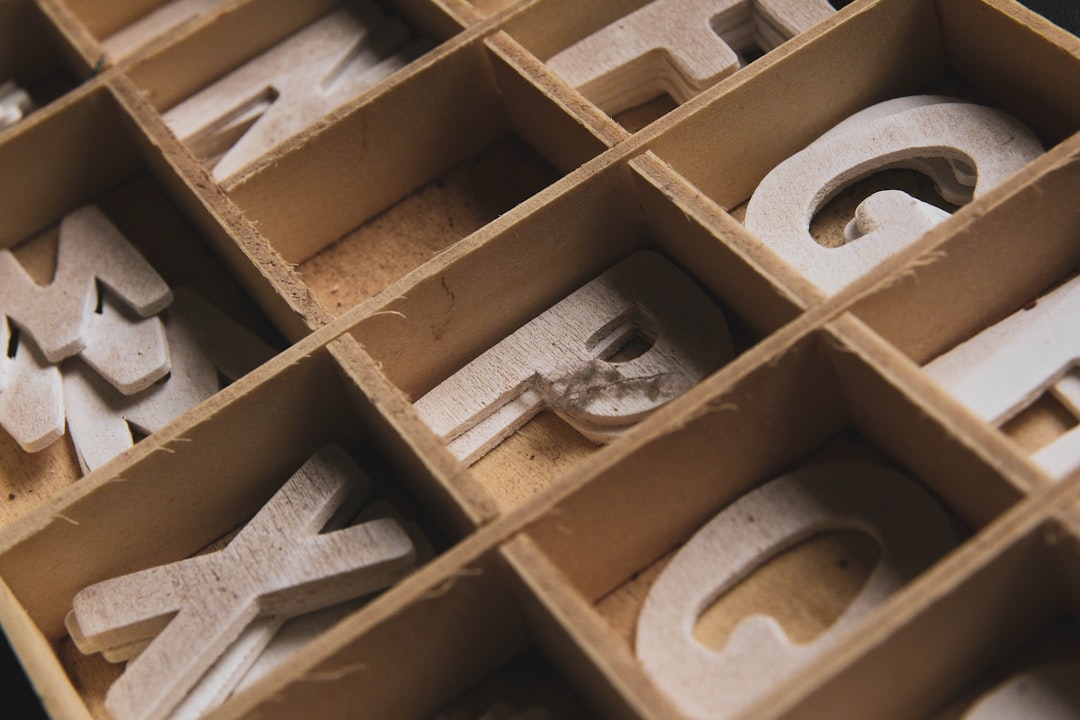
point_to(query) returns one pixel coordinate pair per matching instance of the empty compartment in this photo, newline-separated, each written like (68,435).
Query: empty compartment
(1004,280)
(797,187)
(104,238)
(637,60)
(695,311)
(815,407)
(395,181)
(37,64)
(187,491)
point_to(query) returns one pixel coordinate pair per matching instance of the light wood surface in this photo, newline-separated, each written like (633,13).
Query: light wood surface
(550,539)
(279,565)
(155,26)
(237,120)
(1008,366)
(91,249)
(706,683)
(953,142)
(205,345)
(566,360)
(678,47)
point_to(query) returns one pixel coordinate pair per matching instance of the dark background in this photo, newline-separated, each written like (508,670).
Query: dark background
(15,690)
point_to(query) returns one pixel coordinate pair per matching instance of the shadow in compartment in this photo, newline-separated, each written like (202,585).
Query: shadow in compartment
(527,687)
(408,234)
(32,71)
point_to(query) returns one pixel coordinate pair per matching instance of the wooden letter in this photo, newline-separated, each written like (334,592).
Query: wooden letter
(203,342)
(960,145)
(678,47)
(90,249)
(155,25)
(910,527)
(560,360)
(1050,692)
(248,113)
(1006,367)
(278,565)
(15,104)
(31,393)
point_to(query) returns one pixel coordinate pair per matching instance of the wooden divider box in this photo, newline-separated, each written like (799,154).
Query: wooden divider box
(379,247)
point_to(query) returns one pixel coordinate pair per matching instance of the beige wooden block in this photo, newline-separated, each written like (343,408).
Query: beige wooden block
(910,527)
(31,393)
(203,342)
(90,249)
(563,361)
(954,142)
(271,642)
(248,113)
(1005,368)
(678,47)
(15,104)
(279,565)
(1049,692)
(130,352)
(155,26)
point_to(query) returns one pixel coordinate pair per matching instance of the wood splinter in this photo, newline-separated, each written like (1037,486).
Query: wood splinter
(565,360)
(279,565)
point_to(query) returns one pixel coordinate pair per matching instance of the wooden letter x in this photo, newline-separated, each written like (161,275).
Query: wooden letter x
(279,565)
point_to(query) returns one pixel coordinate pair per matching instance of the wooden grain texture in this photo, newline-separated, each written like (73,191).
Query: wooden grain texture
(205,346)
(1006,367)
(967,149)
(91,249)
(758,655)
(240,118)
(402,238)
(677,47)
(278,565)
(566,360)
(155,26)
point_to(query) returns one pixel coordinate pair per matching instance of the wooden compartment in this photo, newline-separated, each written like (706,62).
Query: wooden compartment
(170,502)
(446,315)
(821,398)
(657,80)
(429,159)
(402,235)
(36,56)
(86,150)
(728,139)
